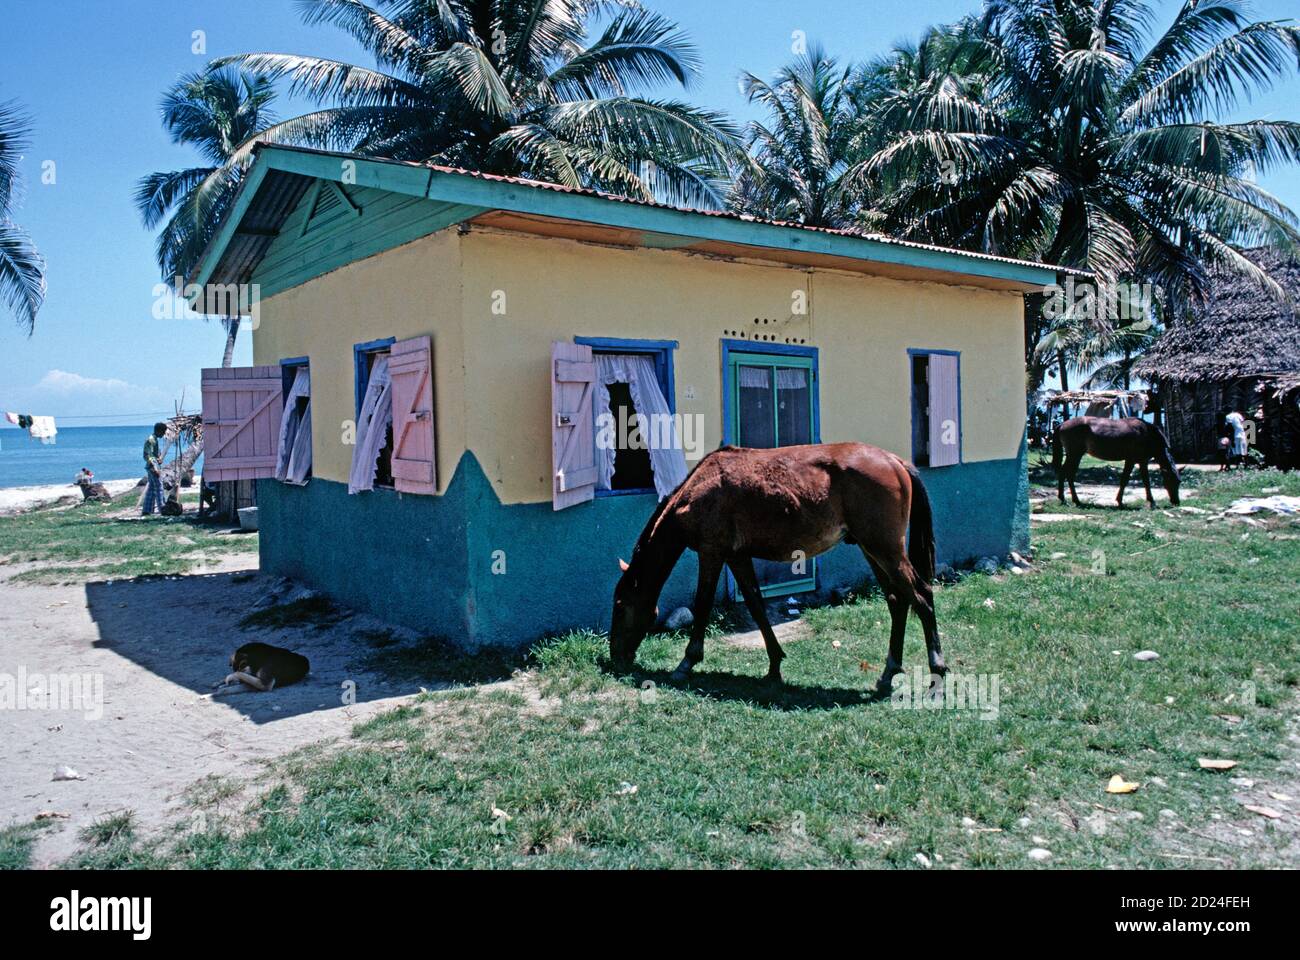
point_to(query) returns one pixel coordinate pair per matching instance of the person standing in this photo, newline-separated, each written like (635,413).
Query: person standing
(153,495)
(1234,433)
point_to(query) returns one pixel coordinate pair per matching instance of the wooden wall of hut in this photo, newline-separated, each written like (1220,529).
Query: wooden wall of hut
(232,496)
(1193,414)
(1282,419)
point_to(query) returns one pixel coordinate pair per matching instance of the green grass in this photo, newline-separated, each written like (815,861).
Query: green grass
(16,843)
(729,773)
(99,541)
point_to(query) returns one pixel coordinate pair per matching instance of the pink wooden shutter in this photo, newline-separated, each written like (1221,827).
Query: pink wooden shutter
(242,407)
(573,439)
(410,364)
(945,411)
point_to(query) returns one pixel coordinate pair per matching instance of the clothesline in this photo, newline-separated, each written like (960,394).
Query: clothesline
(107,416)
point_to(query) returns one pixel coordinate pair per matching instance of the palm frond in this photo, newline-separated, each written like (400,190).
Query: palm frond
(22,274)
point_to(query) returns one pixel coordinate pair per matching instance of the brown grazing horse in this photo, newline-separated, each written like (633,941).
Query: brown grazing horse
(782,504)
(1134,441)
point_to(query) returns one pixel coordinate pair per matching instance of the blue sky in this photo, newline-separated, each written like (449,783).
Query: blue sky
(91,72)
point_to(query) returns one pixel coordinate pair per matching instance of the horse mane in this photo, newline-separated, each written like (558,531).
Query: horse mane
(651,529)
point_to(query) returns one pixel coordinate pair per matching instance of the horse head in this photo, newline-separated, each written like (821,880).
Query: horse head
(1168,471)
(1169,474)
(634,614)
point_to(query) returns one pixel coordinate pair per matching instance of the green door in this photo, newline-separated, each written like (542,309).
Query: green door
(773,403)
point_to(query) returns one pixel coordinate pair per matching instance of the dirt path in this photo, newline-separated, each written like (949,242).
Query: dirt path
(156,646)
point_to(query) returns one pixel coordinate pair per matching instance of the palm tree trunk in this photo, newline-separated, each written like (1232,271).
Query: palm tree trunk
(1065,374)
(232,331)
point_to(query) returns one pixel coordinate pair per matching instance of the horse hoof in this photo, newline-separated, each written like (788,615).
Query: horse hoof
(678,676)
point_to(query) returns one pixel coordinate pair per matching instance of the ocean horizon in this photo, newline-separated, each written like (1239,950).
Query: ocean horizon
(111,453)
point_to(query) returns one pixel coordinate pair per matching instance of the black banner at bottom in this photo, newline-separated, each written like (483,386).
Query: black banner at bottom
(262,909)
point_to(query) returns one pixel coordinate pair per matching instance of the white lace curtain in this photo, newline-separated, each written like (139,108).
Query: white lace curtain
(372,428)
(659,429)
(787,378)
(294,461)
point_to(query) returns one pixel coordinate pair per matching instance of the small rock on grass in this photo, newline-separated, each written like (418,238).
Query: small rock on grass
(680,618)
(1145,655)
(1040,854)
(923,860)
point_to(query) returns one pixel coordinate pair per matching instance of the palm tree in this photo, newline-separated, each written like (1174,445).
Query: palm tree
(511,87)
(22,269)
(799,157)
(1102,356)
(1089,146)
(221,114)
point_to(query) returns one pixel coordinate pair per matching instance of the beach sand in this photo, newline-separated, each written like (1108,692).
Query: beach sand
(154,647)
(16,499)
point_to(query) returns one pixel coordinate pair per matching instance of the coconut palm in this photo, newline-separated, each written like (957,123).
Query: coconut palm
(221,114)
(1091,146)
(22,269)
(512,87)
(799,156)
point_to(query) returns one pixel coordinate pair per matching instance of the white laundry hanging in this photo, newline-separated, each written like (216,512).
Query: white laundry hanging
(43,429)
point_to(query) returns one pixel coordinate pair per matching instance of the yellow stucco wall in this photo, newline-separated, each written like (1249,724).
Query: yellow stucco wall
(492,369)
(863,326)
(410,291)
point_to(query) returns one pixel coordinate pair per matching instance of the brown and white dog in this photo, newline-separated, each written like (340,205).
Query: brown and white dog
(264,667)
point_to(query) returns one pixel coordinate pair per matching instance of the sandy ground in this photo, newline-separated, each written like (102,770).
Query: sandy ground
(157,646)
(14,499)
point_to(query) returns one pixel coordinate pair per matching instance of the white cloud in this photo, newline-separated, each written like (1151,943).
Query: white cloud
(65,383)
(88,400)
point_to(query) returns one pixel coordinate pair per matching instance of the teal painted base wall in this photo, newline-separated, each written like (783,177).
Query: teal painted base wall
(399,557)
(428,562)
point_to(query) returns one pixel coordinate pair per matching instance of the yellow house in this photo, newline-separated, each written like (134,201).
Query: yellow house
(508,374)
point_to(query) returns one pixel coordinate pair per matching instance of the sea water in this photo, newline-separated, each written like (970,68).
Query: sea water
(110,453)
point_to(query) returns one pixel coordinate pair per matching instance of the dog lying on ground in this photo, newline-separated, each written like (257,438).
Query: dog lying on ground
(264,667)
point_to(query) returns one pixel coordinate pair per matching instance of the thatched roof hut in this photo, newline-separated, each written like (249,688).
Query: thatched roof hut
(1241,351)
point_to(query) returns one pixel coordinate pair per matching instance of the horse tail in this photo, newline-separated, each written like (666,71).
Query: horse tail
(920,532)
(1056,450)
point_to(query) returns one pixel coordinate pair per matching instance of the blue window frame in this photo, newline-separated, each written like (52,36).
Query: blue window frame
(793,426)
(808,354)
(660,353)
(288,370)
(361,365)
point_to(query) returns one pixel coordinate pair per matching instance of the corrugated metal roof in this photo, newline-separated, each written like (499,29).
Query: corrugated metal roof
(730,215)
(280,191)
(277,196)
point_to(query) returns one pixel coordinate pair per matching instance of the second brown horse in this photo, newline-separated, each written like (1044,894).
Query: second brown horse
(1132,440)
(784,504)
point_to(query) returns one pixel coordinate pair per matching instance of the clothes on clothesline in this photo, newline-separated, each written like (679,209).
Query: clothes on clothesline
(43,429)
(37,427)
